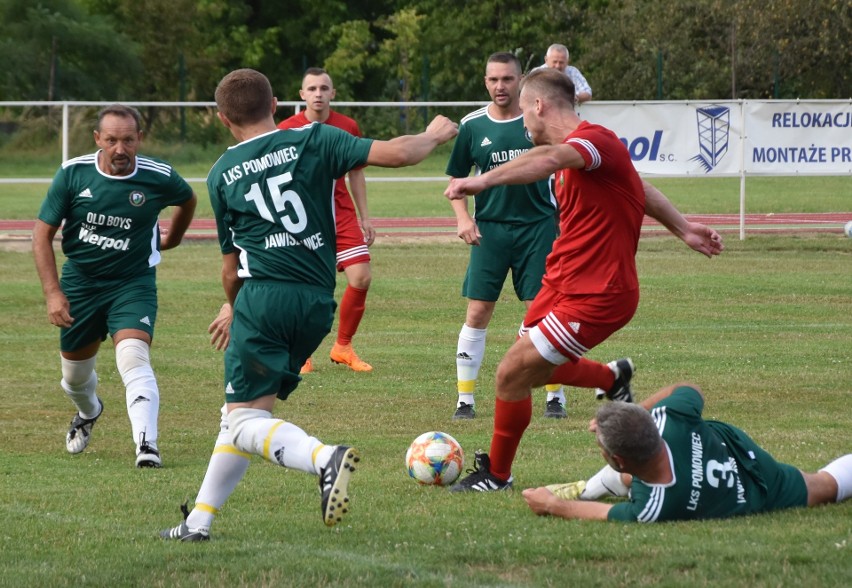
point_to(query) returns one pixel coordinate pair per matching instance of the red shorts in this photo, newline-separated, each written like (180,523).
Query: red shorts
(564,327)
(351,248)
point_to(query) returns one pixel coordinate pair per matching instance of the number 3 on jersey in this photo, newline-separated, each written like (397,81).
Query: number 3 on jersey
(294,220)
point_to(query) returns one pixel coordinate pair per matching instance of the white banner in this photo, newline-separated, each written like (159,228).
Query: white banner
(798,137)
(729,138)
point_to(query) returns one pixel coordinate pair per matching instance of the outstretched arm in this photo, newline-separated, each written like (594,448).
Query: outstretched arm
(536,164)
(543,502)
(699,237)
(412,149)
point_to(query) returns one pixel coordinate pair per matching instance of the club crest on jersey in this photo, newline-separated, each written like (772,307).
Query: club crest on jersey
(137,198)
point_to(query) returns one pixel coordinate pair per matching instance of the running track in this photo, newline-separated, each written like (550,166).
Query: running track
(822,222)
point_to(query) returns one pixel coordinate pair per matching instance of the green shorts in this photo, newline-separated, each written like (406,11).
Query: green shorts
(277,326)
(522,249)
(103,307)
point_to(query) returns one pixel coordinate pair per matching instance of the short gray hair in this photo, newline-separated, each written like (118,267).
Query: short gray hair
(629,431)
(558,47)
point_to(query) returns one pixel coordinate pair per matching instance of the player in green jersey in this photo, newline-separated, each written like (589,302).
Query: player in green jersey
(512,229)
(108,204)
(272,195)
(677,466)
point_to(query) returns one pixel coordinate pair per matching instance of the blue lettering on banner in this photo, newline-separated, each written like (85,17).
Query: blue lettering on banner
(812,154)
(800,120)
(645,148)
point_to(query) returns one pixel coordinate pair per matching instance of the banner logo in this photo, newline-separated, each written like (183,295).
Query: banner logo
(714,125)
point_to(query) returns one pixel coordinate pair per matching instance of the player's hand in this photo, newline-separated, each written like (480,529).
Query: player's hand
(469,232)
(59,310)
(369,231)
(443,129)
(220,328)
(703,239)
(593,425)
(461,187)
(540,500)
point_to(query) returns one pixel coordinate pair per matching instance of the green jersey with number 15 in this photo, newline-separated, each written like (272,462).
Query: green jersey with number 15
(273,197)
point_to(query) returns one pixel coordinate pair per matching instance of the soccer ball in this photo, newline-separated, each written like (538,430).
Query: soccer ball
(847,229)
(434,458)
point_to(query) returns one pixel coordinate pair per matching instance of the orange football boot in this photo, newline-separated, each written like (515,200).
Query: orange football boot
(346,355)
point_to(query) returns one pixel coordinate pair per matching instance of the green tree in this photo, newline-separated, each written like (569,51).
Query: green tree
(56,50)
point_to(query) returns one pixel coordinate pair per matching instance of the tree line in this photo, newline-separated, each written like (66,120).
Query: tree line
(399,50)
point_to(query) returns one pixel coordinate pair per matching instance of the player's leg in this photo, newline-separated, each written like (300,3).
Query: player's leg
(533,243)
(226,468)
(80,382)
(469,353)
(79,346)
(486,272)
(833,483)
(353,259)
(350,313)
(261,363)
(568,329)
(142,395)
(521,369)
(131,319)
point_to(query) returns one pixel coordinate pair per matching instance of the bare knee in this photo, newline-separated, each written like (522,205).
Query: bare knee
(822,488)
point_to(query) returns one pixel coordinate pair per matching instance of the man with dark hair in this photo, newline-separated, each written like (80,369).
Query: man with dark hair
(678,466)
(590,288)
(512,229)
(354,236)
(271,196)
(109,202)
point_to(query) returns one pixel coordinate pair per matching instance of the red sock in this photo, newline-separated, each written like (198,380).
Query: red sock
(583,374)
(351,311)
(511,419)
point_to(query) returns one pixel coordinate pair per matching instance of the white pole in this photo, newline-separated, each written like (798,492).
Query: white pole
(742,171)
(64,132)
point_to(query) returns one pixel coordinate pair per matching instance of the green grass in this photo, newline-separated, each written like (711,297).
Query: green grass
(766,330)
(425,199)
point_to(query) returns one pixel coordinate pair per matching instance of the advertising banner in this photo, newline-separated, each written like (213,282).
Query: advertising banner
(731,138)
(798,138)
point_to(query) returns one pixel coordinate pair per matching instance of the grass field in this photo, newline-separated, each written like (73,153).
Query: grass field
(766,330)
(425,199)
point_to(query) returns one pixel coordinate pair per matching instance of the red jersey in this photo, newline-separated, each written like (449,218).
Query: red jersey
(600,215)
(342,199)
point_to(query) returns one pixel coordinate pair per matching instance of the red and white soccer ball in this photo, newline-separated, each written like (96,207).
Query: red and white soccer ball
(434,458)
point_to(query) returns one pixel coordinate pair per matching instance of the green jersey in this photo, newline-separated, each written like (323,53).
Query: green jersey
(111,228)
(484,143)
(719,471)
(273,197)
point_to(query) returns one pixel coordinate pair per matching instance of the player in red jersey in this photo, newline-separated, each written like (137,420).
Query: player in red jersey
(353,238)
(590,288)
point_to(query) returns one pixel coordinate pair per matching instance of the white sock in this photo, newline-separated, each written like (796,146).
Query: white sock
(555,391)
(606,482)
(226,468)
(841,470)
(469,352)
(80,382)
(132,357)
(255,431)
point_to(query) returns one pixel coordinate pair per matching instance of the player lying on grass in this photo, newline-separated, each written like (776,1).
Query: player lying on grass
(674,465)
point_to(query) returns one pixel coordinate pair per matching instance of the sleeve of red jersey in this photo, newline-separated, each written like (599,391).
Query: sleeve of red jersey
(583,142)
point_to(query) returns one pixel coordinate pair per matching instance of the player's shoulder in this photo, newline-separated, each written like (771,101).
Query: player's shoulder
(81,161)
(478,115)
(147,164)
